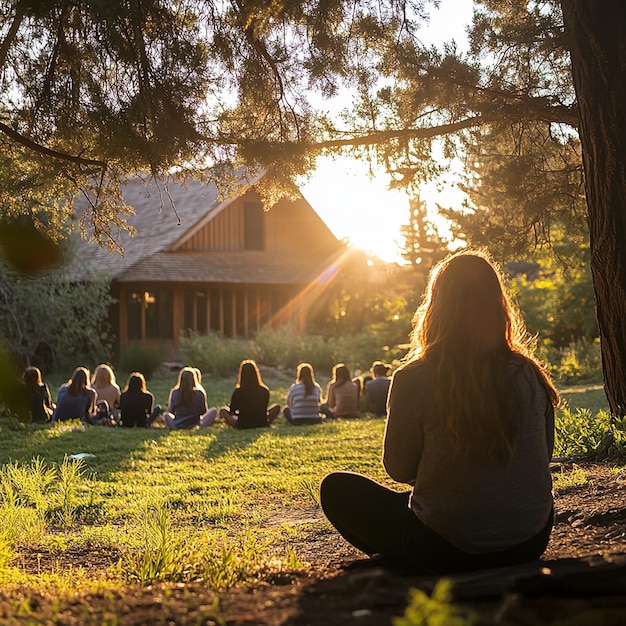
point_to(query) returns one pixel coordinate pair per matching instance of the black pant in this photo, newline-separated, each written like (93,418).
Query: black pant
(378,520)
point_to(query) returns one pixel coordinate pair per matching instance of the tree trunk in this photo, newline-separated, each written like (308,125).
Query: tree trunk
(595,31)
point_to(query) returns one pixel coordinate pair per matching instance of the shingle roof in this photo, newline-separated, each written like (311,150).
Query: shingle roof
(156,222)
(150,255)
(220,267)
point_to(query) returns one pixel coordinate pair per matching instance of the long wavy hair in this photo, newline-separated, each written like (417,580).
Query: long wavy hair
(470,331)
(103,376)
(249,375)
(341,374)
(136,382)
(32,378)
(79,382)
(304,374)
(186,384)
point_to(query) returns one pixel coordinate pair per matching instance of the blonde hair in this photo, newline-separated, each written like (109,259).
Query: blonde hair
(465,301)
(103,376)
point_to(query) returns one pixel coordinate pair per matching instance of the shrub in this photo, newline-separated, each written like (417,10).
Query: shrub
(214,354)
(287,347)
(361,350)
(141,359)
(593,438)
(52,322)
(578,363)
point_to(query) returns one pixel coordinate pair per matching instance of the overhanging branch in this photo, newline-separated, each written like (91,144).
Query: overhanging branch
(62,156)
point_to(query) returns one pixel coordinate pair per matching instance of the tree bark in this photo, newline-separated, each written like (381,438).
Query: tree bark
(595,31)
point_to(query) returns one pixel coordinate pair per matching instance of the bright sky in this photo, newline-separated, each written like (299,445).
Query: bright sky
(364,210)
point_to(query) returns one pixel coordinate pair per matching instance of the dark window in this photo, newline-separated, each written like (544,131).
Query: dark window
(195,310)
(201,317)
(134,306)
(215,310)
(240,313)
(159,314)
(188,307)
(253,226)
(228,312)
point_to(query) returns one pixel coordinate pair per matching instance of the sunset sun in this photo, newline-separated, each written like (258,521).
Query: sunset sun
(363,210)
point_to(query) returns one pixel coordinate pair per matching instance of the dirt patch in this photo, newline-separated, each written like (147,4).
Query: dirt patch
(340,587)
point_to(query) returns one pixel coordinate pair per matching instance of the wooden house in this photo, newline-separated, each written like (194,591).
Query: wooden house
(197,264)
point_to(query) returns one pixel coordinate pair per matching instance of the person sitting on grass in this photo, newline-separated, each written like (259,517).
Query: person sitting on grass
(303,398)
(40,403)
(136,403)
(187,404)
(104,384)
(470,428)
(76,399)
(376,389)
(342,394)
(248,404)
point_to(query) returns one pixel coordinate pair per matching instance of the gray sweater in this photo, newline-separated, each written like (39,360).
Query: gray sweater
(478,505)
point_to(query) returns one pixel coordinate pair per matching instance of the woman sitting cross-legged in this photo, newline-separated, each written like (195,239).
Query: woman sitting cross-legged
(342,394)
(248,404)
(470,427)
(303,399)
(187,405)
(76,399)
(136,402)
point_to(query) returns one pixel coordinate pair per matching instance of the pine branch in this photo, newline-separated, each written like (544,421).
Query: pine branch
(62,156)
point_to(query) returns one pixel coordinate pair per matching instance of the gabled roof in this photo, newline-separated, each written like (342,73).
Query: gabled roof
(163,220)
(161,217)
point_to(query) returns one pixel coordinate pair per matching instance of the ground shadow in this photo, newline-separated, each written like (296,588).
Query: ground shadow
(527,593)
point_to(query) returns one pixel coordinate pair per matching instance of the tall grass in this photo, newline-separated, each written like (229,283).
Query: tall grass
(35,497)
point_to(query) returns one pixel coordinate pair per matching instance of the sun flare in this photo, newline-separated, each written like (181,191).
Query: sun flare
(363,211)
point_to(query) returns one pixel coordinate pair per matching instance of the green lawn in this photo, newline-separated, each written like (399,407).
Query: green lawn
(179,506)
(585,397)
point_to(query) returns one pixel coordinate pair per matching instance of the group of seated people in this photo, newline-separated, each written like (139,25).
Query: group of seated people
(98,400)
(343,394)
(95,400)
(249,404)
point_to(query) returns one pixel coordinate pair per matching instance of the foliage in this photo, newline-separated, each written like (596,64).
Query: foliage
(49,321)
(213,354)
(556,294)
(435,610)
(422,243)
(240,83)
(590,437)
(366,312)
(575,364)
(139,358)
(287,347)
(574,478)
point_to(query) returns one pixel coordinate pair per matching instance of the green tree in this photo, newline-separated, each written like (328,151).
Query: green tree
(556,298)
(91,90)
(49,321)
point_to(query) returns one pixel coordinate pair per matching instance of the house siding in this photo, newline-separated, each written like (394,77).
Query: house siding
(291,228)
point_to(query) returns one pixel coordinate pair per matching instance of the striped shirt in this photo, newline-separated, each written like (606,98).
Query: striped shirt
(301,405)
